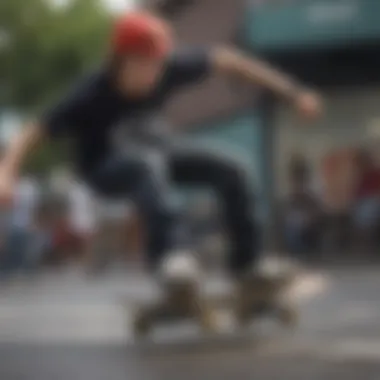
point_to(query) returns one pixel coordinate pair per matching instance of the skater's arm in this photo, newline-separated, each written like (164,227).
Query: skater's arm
(30,138)
(13,159)
(233,62)
(236,63)
(18,150)
(58,121)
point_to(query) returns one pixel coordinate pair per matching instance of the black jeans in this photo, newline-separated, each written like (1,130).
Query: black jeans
(145,177)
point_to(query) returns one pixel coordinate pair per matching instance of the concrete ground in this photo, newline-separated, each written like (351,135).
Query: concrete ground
(62,326)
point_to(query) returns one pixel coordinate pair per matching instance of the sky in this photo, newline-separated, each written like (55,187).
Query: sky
(113,5)
(119,5)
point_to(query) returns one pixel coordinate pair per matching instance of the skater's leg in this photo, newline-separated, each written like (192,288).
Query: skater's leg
(137,178)
(228,179)
(140,179)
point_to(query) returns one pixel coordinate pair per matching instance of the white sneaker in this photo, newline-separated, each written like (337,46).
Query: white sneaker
(180,267)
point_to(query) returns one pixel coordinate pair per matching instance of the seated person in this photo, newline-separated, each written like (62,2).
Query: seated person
(302,219)
(366,213)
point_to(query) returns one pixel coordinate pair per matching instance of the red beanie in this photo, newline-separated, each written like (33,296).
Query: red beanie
(143,34)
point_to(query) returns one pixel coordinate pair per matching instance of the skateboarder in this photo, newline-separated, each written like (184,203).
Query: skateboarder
(122,150)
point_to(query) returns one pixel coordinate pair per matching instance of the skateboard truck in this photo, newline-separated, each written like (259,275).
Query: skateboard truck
(265,291)
(182,297)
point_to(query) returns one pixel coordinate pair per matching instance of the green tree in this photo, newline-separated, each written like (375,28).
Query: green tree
(44,48)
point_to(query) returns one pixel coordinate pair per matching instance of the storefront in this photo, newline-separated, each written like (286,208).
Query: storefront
(333,45)
(274,26)
(351,120)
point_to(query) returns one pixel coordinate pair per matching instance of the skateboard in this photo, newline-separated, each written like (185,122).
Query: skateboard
(266,292)
(262,293)
(182,299)
(176,305)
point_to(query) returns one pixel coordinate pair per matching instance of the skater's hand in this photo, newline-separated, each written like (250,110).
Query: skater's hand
(308,105)
(7,186)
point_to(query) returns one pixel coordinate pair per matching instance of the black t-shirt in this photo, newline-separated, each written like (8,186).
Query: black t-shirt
(94,111)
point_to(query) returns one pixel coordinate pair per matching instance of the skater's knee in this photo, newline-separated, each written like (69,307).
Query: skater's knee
(232,181)
(144,171)
(149,191)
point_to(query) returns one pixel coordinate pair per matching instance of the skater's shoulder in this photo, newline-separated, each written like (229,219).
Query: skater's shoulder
(189,63)
(90,85)
(76,102)
(188,52)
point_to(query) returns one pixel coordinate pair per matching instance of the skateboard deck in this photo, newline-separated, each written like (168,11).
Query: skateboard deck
(175,305)
(261,294)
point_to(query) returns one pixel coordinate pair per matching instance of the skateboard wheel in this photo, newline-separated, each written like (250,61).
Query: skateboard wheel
(288,316)
(142,326)
(209,322)
(243,313)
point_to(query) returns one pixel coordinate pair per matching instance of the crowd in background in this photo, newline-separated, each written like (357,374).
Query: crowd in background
(54,224)
(330,207)
(60,223)
(335,206)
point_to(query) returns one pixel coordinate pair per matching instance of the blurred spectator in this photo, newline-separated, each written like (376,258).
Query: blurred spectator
(46,213)
(299,169)
(109,237)
(338,180)
(302,220)
(57,208)
(366,213)
(19,233)
(302,213)
(82,219)
(74,221)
